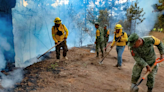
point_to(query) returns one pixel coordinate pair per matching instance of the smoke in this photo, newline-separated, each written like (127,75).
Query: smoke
(147,25)
(9,81)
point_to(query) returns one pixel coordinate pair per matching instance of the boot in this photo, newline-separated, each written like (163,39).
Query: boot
(58,60)
(102,55)
(150,90)
(119,67)
(116,65)
(134,88)
(66,58)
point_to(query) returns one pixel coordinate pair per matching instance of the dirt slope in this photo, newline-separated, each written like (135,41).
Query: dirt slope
(159,35)
(82,73)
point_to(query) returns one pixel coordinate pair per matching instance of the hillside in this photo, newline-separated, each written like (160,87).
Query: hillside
(82,73)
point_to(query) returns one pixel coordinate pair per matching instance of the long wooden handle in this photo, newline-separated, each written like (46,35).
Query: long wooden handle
(148,72)
(50,49)
(109,51)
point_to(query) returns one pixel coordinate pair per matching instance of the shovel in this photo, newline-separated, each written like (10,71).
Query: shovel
(108,52)
(135,88)
(49,50)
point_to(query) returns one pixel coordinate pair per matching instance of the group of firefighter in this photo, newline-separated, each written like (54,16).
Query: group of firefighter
(141,49)
(158,29)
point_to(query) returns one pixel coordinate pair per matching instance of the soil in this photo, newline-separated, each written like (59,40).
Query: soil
(83,73)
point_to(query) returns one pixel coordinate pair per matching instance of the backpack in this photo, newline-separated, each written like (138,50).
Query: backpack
(119,40)
(58,31)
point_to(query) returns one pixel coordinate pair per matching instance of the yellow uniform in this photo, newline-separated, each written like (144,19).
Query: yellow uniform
(59,33)
(123,39)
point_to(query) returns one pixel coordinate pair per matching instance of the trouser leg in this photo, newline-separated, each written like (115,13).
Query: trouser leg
(101,47)
(97,48)
(136,72)
(65,49)
(119,55)
(151,78)
(58,51)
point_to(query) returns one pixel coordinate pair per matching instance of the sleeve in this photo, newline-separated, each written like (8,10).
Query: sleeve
(113,40)
(97,33)
(124,38)
(53,35)
(108,32)
(138,59)
(159,44)
(66,30)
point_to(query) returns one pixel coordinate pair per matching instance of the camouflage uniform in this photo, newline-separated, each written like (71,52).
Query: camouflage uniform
(106,37)
(99,40)
(144,55)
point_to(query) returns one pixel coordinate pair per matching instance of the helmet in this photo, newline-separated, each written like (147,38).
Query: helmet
(118,26)
(57,20)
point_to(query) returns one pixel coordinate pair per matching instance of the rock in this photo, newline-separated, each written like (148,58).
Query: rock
(30,84)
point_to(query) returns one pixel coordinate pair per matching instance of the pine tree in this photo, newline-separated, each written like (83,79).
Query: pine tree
(103,17)
(135,15)
(160,21)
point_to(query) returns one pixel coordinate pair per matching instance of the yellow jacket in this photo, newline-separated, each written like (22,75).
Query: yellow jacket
(60,34)
(108,32)
(123,39)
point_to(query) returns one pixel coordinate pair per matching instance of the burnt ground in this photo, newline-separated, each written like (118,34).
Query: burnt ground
(83,73)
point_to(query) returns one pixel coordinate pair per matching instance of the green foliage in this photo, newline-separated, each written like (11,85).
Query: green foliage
(103,17)
(160,21)
(134,13)
(53,66)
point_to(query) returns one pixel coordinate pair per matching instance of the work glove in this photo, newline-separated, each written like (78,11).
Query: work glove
(120,37)
(162,56)
(148,68)
(56,42)
(65,38)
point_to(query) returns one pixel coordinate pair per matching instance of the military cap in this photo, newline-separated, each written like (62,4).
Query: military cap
(132,39)
(105,25)
(97,23)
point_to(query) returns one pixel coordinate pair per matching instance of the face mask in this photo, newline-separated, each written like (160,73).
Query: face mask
(57,25)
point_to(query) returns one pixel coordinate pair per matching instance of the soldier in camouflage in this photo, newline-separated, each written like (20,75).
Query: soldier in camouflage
(143,53)
(99,39)
(106,36)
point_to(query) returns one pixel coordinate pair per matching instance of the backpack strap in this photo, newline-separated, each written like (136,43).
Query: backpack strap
(121,35)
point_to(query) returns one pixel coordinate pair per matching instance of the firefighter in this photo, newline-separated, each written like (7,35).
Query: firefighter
(60,33)
(106,36)
(121,38)
(99,39)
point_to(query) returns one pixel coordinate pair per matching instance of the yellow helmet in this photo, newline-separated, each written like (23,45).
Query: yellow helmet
(118,26)
(57,20)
